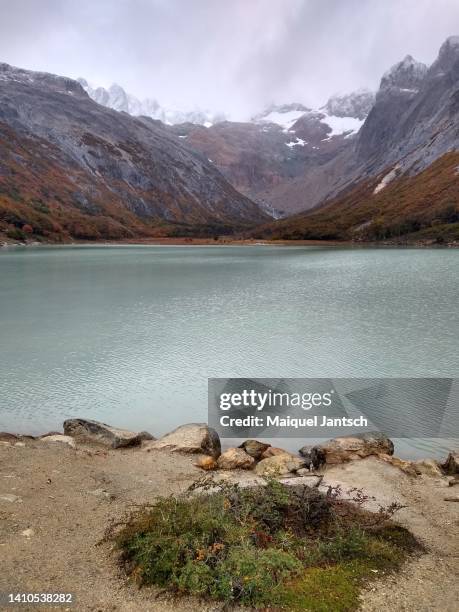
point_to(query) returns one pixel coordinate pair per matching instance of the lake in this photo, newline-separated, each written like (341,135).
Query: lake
(130,334)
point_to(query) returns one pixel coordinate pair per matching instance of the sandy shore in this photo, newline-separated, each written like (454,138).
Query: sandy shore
(56,503)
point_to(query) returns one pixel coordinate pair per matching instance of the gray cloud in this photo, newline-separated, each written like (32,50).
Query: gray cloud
(230,55)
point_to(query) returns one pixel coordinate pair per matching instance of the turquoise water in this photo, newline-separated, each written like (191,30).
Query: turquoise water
(129,335)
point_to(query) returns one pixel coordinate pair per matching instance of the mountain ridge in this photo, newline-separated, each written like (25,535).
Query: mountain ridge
(109,162)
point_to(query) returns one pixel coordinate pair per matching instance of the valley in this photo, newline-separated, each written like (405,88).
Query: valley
(81,163)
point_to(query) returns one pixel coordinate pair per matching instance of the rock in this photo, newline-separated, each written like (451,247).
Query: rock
(405,466)
(51,433)
(28,533)
(206,463)
(279,465)
(313,455)
(12,438)
(273,451)
(311,481)
(451,465)
(234,459)
(452,499)
(59,438)
(189,438)
(10,498)
(428,467)
(102,493)
(8,437)
(254,448)
(19,444)
(303,471)
(101,433)
(145,436)
(349,448)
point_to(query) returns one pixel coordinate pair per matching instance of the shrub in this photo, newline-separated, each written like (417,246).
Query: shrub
(260,546)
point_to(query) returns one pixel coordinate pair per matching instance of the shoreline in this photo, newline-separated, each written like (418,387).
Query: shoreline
(235,242)
(58,498)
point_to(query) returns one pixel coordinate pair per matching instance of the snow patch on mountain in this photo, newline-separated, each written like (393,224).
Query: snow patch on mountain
(284,119)
(342,125)
(344,114)
(298,142)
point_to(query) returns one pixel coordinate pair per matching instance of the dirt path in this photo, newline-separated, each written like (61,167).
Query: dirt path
(63,499)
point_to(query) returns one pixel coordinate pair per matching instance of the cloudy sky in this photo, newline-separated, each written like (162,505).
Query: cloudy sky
(234,56)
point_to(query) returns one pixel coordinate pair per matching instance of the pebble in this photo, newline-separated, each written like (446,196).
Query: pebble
(10,498)
(28,533)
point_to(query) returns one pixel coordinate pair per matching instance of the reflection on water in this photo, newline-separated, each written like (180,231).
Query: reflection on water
(130,335)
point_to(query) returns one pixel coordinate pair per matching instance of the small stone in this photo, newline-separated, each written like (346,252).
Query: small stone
(254,448)
(28,533)
(206,463)
(59,438)
(273,451)
(20,444)
(235,458)
(10,498)
(313,455)
(145,435)
(303,472)
(279,465)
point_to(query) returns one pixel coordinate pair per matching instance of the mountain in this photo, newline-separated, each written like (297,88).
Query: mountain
(356,104)
(400,174)
(264,157)
(71,167)
(115,97)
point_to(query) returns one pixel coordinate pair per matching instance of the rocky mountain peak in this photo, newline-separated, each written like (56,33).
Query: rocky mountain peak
(404,77)
(118,99)
(356,104)
(52,82)
(447,56)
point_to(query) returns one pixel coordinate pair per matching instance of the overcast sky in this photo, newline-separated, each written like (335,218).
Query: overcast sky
(234,56)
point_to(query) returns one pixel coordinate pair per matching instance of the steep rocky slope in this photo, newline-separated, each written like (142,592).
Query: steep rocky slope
(399,175)
(415,207)
(62,156)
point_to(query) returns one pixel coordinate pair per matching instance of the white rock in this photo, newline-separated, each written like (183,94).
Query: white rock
(60,438)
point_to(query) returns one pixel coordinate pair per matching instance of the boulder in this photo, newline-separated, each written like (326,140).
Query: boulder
(206,463)
(279,465)
(254,448)
(93,431)
(451,465)
(59,438)
(235,459)
(189,438)
(349,448)
(273,451)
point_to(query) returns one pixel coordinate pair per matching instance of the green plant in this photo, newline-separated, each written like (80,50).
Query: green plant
(263,546)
